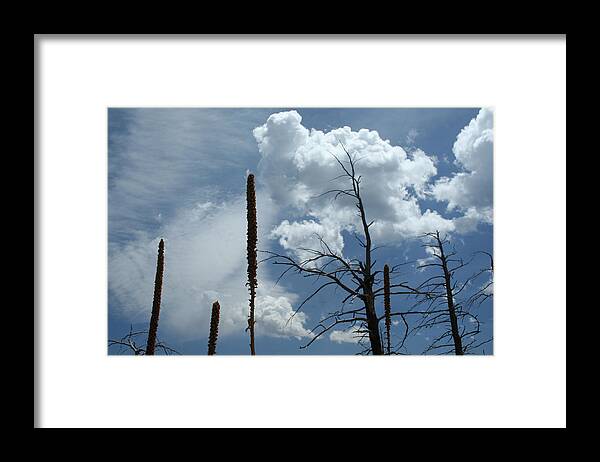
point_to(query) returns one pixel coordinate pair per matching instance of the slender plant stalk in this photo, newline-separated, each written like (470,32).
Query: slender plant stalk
(251,253)
(387,308)
(214,328)
(158,282)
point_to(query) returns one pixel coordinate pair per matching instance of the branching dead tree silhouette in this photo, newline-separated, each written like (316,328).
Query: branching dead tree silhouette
(445,305)
(129,343)
(356,278)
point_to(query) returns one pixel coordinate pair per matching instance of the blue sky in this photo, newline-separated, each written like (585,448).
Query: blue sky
(179,174)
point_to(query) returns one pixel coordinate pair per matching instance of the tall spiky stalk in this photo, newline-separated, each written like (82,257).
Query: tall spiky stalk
(251,253)
(214,328)
(387,308)
(158,281)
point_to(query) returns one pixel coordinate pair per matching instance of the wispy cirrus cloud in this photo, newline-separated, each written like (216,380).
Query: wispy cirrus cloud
(161,160)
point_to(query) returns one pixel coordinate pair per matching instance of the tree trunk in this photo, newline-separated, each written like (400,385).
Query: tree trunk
(458,349)
(369,299)
(373,324)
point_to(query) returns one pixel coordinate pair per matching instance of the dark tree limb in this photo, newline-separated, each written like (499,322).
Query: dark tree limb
(129,343)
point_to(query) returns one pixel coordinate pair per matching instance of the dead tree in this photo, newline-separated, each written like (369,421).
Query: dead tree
(446,304)
(356,278)
(129,343)
(214,328)
(158,281)
(252,238)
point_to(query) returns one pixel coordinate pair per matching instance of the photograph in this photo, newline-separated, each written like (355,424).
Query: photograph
(260,215)
(300,231)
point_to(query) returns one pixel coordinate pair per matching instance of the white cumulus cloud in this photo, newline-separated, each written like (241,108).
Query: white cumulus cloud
(298,165)
(470,190)
(352,335)
(307,234)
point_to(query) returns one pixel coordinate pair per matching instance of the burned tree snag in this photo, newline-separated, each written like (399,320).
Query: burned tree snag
(356,277)
(458,349)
